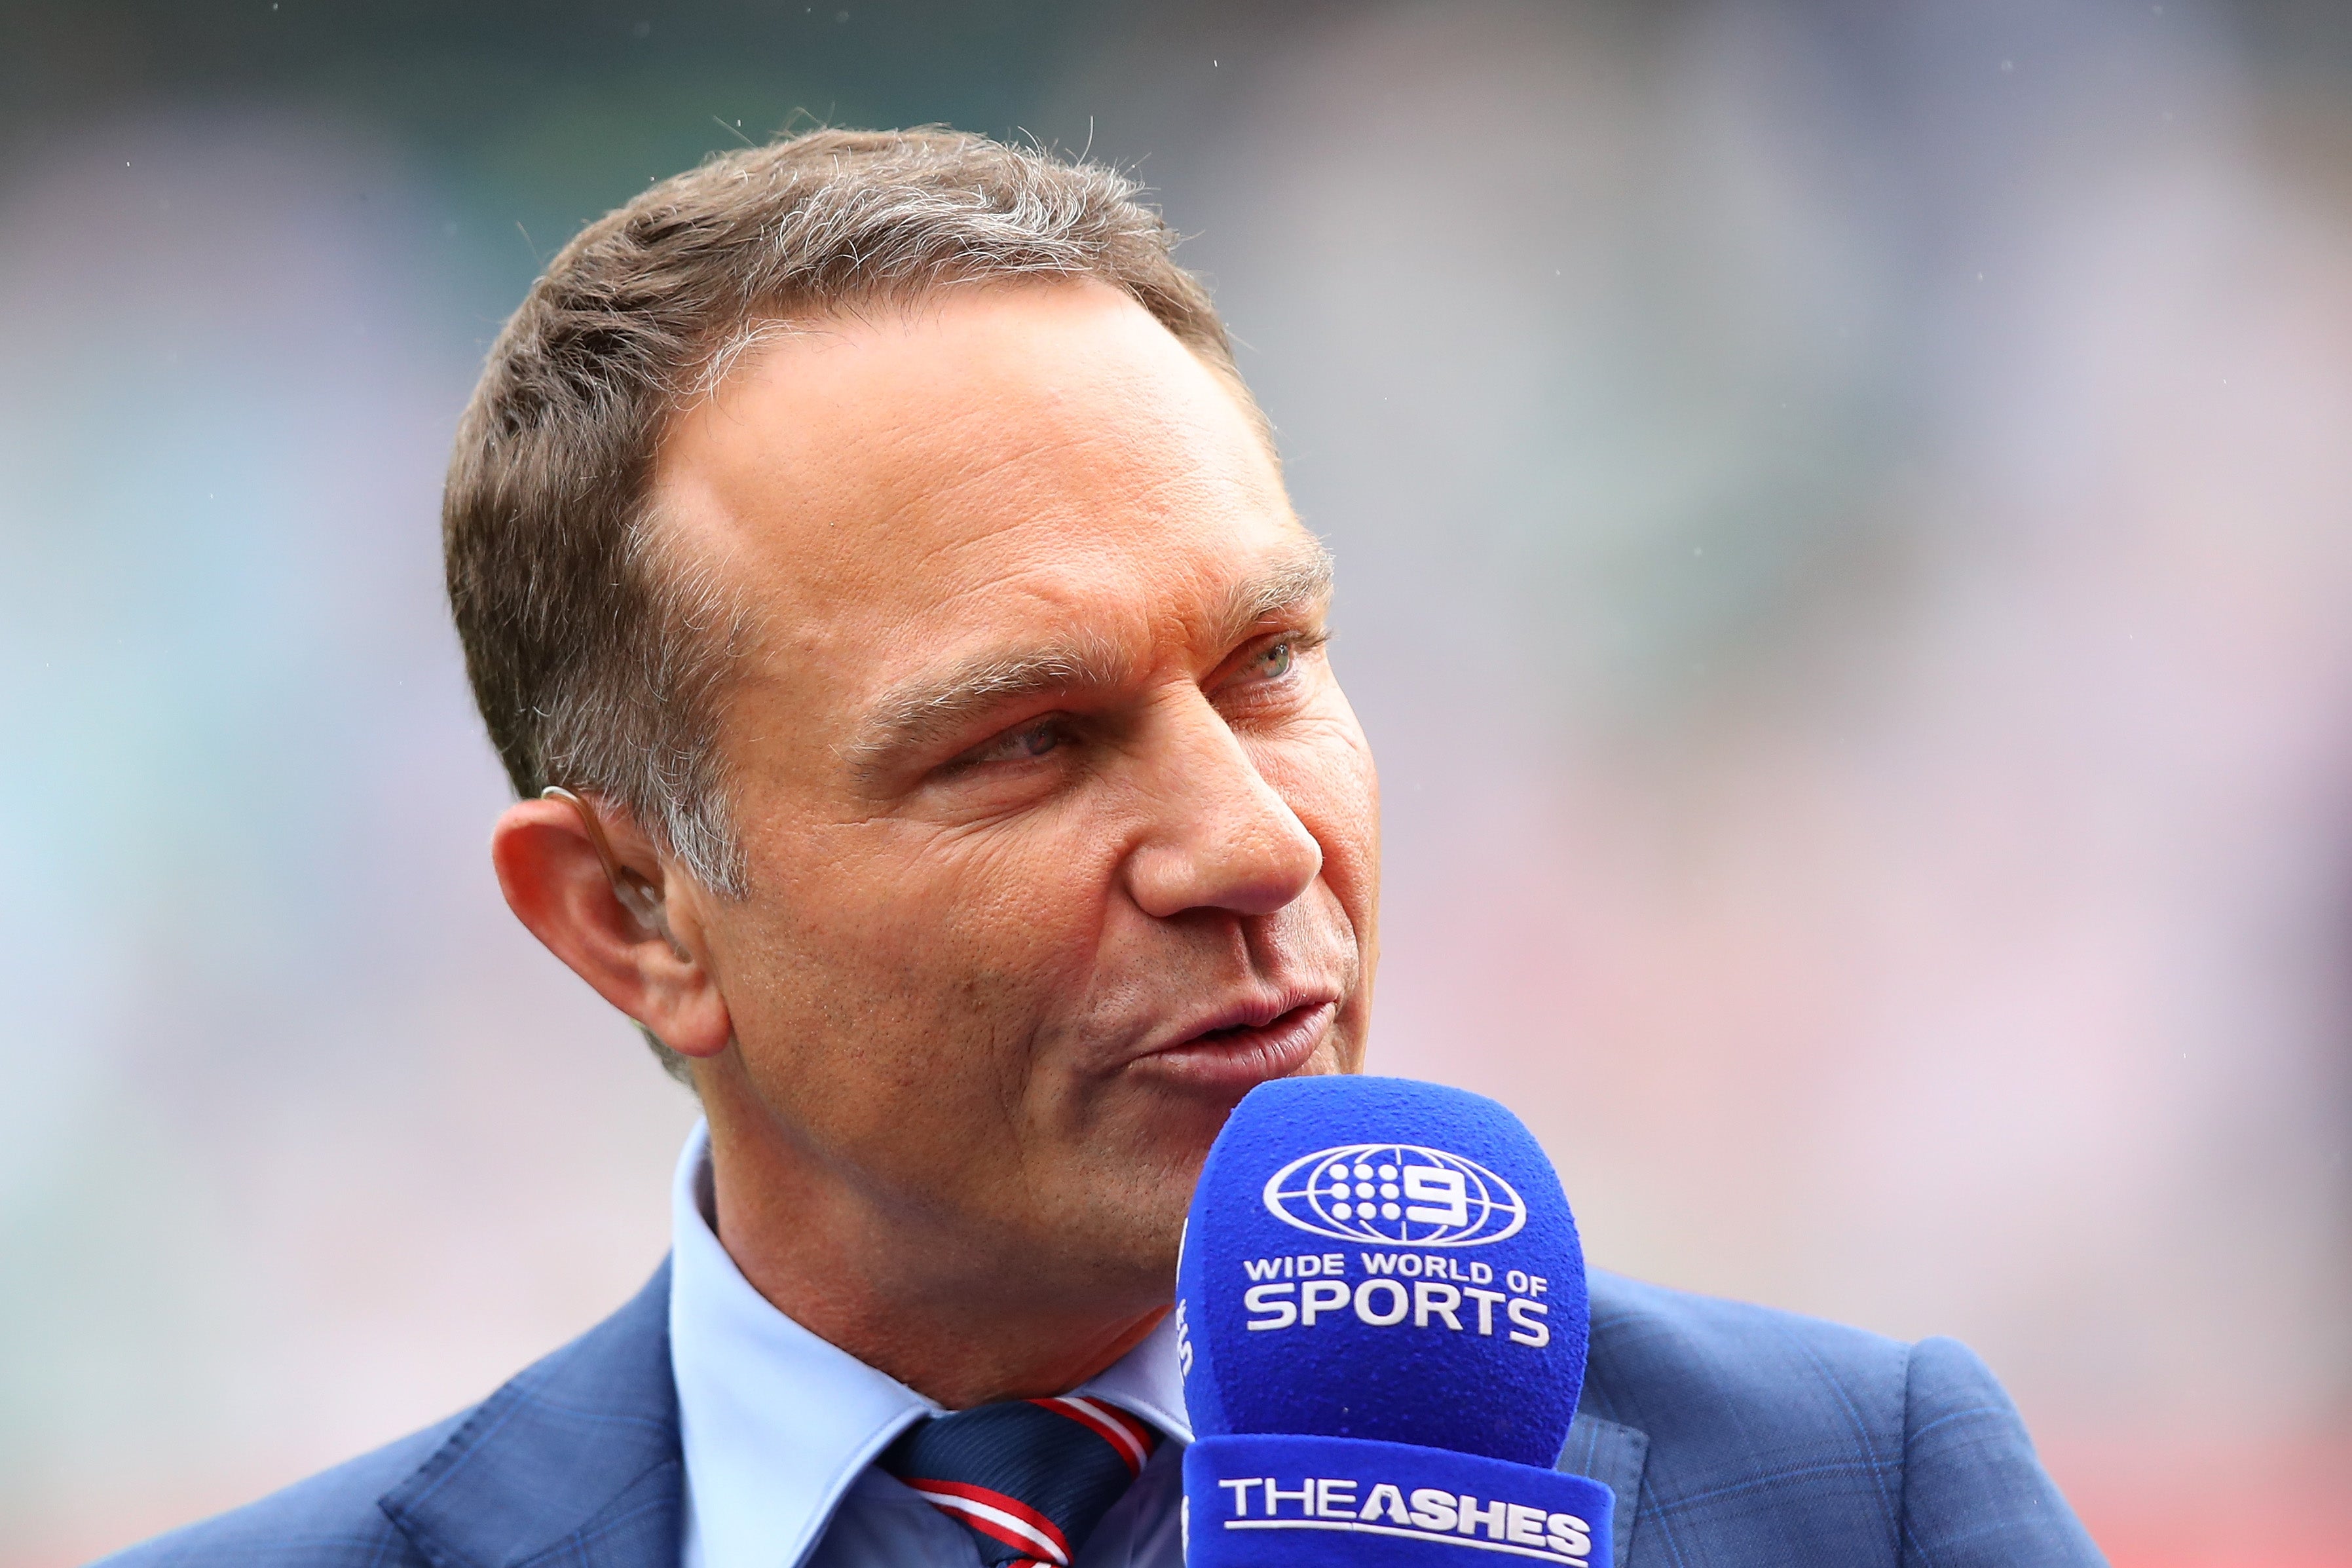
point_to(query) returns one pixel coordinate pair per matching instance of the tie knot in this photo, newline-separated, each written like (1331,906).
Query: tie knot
(1030,1478)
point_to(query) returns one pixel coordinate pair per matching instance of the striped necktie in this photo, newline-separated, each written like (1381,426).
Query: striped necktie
(1029,1478)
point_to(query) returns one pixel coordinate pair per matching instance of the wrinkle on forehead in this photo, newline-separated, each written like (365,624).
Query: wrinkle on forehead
(927,507)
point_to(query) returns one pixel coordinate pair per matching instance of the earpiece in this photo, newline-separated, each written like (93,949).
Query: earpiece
(635,894)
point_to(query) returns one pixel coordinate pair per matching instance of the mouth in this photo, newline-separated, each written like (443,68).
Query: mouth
(1246,1045)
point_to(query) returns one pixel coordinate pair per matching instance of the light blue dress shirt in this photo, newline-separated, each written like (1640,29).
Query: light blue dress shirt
(780,1429)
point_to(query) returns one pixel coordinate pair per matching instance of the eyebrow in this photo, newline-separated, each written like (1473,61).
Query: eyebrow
(933,707)
(1300,578)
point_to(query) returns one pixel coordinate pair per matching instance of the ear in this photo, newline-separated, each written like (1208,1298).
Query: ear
(646,960)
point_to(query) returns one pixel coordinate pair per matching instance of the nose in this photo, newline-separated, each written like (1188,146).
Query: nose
(1220,838)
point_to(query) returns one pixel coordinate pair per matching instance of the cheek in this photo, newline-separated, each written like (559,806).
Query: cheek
(1019,901)
(910,951)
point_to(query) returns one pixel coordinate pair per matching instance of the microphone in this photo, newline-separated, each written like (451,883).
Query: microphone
(1382,1325)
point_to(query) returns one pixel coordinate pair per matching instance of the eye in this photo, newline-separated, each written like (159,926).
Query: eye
(1273,661)
(1034,739)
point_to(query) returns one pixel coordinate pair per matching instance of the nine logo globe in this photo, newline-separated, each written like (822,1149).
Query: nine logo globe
(1404,1194)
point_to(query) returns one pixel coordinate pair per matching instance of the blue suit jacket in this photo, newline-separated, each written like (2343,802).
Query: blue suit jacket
(1731,1435)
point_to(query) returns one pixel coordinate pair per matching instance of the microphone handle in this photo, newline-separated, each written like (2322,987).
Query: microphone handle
(1274,1500)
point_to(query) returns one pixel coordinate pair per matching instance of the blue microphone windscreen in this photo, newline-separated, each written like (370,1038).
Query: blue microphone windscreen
(1379,1258)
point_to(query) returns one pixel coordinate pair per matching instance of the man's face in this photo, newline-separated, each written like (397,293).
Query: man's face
(1060,834)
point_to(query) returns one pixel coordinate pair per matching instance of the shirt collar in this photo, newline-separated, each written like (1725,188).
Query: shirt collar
(777,1424)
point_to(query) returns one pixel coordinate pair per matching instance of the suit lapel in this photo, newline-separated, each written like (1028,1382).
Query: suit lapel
(1613,1455)
(576,1460)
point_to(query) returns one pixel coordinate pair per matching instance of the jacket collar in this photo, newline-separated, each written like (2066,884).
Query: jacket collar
(578,1456)
(1599,1444)
(1614,1455)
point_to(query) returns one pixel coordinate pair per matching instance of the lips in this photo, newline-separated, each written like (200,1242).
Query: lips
(1245,1045)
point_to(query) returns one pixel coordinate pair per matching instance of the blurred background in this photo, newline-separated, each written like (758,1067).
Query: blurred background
(1845,525)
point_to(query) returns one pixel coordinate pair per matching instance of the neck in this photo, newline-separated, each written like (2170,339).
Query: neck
(910,1294)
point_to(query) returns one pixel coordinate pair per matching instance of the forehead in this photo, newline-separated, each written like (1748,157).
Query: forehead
(1042,456)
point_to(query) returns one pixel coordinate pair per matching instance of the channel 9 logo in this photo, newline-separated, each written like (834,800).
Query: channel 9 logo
(1400,1193)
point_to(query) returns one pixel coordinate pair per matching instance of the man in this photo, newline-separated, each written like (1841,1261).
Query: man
(881,589)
